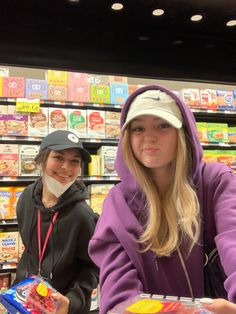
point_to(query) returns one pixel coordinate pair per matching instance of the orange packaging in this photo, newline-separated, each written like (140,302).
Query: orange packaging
(9,247)
(16,193)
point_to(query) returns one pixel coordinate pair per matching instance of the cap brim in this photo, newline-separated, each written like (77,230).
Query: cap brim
(169,117)
(85,154)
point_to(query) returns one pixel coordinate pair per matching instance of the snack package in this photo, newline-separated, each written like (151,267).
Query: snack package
(39,297)
(152,304)
(33,295)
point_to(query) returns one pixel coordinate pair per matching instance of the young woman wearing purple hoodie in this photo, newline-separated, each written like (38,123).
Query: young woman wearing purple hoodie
(150,236)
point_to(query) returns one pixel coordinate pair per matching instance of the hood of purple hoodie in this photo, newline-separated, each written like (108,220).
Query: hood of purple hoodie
(188,122)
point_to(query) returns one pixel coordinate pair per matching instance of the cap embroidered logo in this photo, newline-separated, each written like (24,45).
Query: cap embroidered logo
(73,138)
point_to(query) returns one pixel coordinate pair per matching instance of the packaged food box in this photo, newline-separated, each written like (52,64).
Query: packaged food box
(9,247)
(17,190)
(208,99)
(57,118)
(108,157)
(6,194)
(38,123)
(77,120)
(202,131)
(147,304)
(3,119)
(57,92)
(17,122)
(132,88)
(5,281)
(21,247)
(100,94)
(225,99)
(227,157)
(8,160)
(118,93)
(95,123)
(77,77)
(98,193)
(94,167)
(210,155)
(218,132)
(55,77)
(232,134)
(112,119)
(191,97)
(27,165)
(97,79)
(36,89)
(79,92)
(13,87)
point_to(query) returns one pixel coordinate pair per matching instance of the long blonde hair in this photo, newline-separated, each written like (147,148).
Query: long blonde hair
(173,217)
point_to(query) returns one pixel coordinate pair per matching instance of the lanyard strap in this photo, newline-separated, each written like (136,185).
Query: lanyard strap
(41,252)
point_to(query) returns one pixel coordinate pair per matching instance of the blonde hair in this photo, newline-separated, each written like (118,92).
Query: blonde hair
(174,217)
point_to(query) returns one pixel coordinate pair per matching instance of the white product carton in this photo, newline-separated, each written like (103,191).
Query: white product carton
(108,157)
(95,123)
(57,118)
(27,165)
(38,123)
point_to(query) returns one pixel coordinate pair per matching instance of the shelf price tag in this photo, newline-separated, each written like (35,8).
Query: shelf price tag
(27,105)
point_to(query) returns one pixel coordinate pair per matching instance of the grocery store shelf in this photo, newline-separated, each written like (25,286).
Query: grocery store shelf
(10,222)
(67,104)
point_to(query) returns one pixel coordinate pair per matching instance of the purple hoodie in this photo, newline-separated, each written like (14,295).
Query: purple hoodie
(124,272)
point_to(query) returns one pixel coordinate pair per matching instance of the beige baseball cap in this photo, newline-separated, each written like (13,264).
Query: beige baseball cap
(155,103)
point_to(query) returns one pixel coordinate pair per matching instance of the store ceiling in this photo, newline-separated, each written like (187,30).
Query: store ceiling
(89,36)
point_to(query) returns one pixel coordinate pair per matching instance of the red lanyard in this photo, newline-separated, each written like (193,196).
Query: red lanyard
(41,253)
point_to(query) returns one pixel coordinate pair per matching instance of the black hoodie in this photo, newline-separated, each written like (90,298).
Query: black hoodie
(66,264)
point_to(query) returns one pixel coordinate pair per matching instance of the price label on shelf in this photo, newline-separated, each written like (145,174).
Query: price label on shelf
(27,105)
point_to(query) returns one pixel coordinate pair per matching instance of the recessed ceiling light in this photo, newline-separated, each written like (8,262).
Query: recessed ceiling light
(143,38)
(209,46)
(231,23)
(74,1)
(117,6)
(196,18)
(177,42)
(158,12)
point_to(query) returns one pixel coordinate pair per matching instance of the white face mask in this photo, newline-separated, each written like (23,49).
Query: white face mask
(55,187)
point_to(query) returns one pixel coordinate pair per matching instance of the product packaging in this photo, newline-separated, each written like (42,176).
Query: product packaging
(153,304)
(33,295)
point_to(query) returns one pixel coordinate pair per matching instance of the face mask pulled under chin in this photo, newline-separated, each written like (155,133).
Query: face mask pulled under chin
(55,187)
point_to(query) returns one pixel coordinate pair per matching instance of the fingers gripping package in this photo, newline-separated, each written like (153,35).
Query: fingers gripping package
(33,295)
(153,304)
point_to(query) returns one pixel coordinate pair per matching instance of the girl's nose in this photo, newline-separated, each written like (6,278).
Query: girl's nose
(150,135)
(65,165)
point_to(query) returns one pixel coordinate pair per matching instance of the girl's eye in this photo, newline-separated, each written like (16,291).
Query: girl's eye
(76,161)
(136,129)
(164,126)
(58,157)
